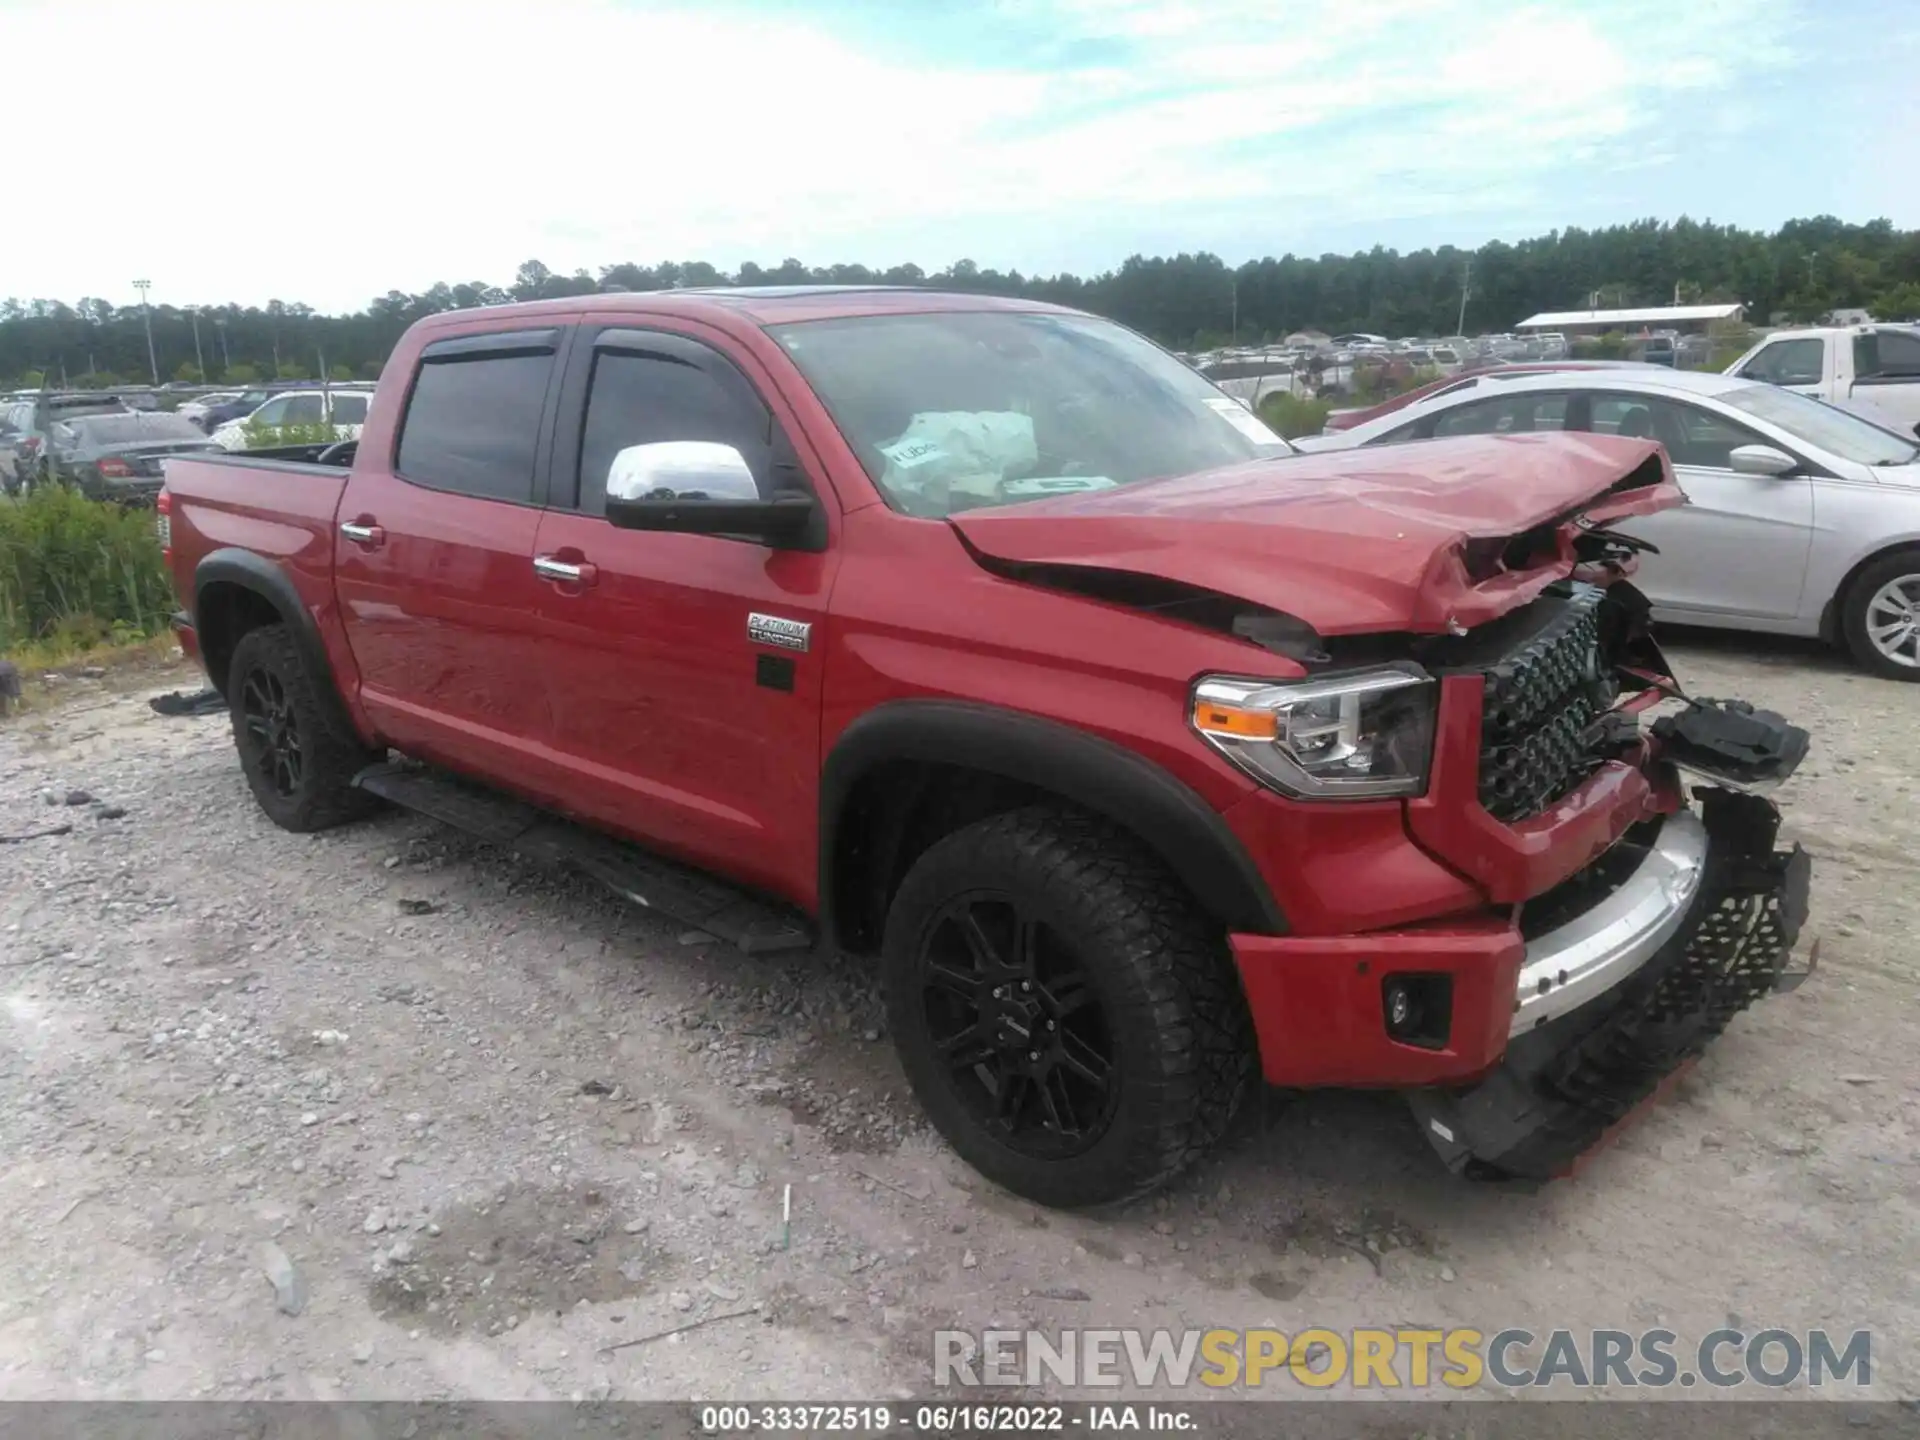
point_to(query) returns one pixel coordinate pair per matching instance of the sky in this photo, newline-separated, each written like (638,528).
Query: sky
(328,153)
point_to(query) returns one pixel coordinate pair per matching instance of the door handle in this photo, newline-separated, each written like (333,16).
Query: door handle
(368,537)
(566,572)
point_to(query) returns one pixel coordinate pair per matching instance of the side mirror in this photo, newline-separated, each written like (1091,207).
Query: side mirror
(698,487)
(1761,460)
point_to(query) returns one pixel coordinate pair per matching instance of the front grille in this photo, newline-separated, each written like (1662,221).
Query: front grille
(1539,702)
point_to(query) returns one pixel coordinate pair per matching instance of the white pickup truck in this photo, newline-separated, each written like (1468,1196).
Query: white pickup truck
(1872,369)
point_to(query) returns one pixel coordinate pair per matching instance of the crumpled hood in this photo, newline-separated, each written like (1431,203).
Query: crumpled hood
(1350,541)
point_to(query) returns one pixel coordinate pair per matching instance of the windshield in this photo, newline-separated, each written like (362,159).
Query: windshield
(127,429)
(952,411)
(1832,429)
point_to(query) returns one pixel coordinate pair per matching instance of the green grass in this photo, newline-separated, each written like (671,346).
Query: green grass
(76,575)
(1293,416)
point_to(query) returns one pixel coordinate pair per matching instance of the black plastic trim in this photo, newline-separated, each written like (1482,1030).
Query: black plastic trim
(493,342)
(1163,813)
(248,571)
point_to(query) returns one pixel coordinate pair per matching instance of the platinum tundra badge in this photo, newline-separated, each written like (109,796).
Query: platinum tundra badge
(775,631)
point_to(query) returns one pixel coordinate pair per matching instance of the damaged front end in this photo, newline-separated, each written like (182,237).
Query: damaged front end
(1636,962)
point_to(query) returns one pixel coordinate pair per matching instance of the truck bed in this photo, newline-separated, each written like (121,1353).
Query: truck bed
(280,509)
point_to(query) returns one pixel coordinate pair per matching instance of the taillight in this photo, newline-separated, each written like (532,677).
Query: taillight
(31,444)
(117,469)
(163,523)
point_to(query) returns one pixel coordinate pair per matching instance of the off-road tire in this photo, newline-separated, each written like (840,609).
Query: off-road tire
(330,756)
(1853,614)
(1184,1056)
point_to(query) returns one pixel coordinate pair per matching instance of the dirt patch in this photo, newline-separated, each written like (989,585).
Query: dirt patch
(488,1265)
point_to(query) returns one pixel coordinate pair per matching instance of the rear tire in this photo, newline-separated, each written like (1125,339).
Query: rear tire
(1880,617)
(298,761)
(1066,1015)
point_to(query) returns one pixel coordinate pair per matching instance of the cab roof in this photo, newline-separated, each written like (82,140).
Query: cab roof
(760,304)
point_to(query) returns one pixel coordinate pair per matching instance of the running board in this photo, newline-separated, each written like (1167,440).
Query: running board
(756,926)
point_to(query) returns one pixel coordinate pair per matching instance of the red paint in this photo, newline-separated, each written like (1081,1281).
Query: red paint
(1317,1004)
(1351,541)
(632,700)
(1514,862)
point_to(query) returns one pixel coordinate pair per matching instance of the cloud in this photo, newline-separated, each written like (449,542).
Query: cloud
(397,143)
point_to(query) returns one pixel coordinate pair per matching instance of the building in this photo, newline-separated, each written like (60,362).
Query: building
(1682,318)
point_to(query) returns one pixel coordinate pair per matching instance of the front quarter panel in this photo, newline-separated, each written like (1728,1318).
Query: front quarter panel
(1854,519)
(915,618)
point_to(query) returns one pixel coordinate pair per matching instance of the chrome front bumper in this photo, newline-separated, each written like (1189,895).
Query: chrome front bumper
(1589,955)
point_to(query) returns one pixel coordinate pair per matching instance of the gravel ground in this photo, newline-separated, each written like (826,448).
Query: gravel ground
(483,1127)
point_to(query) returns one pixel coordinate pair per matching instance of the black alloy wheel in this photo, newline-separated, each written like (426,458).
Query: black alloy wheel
(1025,1040)
(296,749)
(1067,1016)
(273,732)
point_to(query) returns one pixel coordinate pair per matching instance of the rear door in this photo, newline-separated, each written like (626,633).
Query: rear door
(434,551)
(1739,547)
(676,725)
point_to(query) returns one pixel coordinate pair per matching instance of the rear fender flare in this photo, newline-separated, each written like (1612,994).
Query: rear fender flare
(250,572)
(1163,813)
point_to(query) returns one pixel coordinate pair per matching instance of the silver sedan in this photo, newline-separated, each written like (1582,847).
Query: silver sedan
(1803,518)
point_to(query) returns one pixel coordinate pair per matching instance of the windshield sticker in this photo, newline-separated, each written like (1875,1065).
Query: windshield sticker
(1244,420)
(906,454)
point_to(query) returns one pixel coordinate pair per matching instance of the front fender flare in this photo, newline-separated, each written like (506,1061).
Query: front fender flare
(1163,813)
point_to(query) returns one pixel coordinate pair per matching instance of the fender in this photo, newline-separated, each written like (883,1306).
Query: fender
(248,571)
(1095,774)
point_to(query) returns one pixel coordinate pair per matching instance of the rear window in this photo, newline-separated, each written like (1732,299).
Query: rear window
(129,429)
(349,409)
(473,423)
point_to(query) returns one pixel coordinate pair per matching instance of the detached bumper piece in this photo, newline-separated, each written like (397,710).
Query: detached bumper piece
(1730,741)
(1565,1086)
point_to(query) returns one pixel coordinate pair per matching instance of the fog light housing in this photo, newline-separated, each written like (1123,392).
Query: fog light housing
(1418,1009)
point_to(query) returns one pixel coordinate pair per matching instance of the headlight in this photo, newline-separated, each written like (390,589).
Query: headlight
(1357,736)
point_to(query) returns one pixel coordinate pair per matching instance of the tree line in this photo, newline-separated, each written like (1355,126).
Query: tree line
(1798,272)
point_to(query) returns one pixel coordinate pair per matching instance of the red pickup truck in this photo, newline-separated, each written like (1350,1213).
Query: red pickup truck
(1149,757)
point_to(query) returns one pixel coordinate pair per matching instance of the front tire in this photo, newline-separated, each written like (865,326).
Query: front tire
(1880,619)
(298,762)
(1066,1015)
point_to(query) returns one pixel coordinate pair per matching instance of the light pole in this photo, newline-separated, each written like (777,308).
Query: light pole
(1466,288)
(226,360)
(193,312)
(146,311)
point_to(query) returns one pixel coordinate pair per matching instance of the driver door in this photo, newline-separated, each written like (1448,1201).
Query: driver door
(1739,546)
(680,716)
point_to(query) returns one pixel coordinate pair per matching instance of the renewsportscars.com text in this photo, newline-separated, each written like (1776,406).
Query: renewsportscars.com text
(1402,1358)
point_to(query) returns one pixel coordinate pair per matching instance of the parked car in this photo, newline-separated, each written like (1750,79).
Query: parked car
(987,637)
(197,409)
(120,457)
(344,410)
(1340,421)
(1870,365)
(1803,518)
(28,423)
(238,408)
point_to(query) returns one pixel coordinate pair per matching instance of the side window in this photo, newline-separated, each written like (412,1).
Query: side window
(473,424)
(1691,436)
(1788,362)
(1504,415)
(349,409)
(1889,353)
(274,412)
(304,410)
(641,397)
